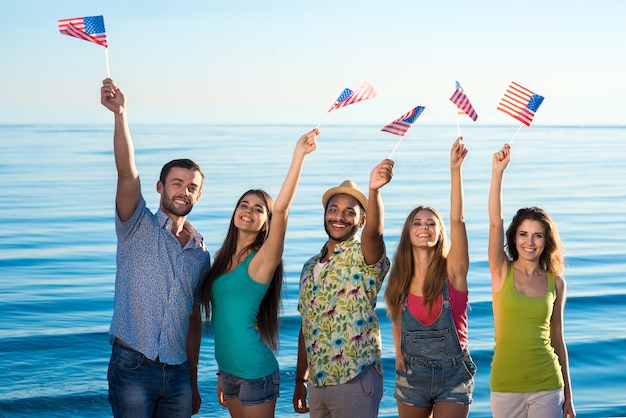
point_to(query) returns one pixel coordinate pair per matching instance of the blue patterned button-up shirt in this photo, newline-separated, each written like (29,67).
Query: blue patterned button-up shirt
(156,285)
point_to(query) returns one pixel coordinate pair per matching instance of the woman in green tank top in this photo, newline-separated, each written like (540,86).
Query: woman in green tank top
(529,370)
(241,295)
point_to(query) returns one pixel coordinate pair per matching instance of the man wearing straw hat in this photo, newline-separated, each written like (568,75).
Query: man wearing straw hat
(339,345)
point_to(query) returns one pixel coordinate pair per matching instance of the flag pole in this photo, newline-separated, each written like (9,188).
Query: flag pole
(321,120)
(458,125)
(106,55)
(518,129)
(394,148)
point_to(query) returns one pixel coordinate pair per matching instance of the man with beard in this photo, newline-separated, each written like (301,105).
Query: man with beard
(156,327)
(339,345)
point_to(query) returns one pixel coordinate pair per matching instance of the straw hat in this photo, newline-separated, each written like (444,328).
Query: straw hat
(347,187)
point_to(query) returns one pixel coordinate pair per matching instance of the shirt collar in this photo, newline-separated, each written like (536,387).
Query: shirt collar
(166,223)
(341,246)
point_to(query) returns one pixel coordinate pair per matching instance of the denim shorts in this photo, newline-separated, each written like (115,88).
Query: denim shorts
(424,385)
(251,391)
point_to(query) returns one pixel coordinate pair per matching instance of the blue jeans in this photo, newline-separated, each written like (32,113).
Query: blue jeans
(140,387)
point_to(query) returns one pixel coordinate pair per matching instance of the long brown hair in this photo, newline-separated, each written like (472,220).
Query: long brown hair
(267,317)
(403,267)
(552,258)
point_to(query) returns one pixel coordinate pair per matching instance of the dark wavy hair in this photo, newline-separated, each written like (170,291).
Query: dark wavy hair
(267,317)
(552,258)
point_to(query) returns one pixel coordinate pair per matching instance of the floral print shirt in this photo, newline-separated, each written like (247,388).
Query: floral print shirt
(339,323)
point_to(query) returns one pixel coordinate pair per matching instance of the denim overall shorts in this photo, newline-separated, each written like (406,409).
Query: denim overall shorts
(438,370)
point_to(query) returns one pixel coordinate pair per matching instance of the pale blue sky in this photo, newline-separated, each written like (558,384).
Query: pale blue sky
(209,61)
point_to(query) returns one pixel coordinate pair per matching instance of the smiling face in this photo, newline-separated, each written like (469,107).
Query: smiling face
(343,217)
(530,239)
(425,229)
(180,191)
(251,213)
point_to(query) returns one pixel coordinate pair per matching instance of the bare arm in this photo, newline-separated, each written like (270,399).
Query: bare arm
(194,337)
(396,329)
(302,372)
(128,185)
(458,257)
(558,342)
(372,243)
(264,263)
(498,260)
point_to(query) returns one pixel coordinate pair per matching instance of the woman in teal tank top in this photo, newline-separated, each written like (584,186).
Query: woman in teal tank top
(530,368)
(241,295)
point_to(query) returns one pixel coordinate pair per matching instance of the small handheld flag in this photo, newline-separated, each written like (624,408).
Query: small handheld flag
(401,125)
(348,97)
(90,28)
(520,103)
(459,98)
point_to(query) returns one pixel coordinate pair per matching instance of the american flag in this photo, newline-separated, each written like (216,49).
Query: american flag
(347,97)
(462,102)
(401,125)
(90,28)
(520,103)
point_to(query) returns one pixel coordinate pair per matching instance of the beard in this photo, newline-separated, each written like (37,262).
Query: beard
(168,204)
(340,238)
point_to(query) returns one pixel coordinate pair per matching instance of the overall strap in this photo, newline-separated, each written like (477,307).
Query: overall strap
(446,294)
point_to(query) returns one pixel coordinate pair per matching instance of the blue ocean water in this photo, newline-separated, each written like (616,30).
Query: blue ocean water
(57,242)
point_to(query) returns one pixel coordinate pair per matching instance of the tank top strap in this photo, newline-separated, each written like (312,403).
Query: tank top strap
(508,280)
(551,284)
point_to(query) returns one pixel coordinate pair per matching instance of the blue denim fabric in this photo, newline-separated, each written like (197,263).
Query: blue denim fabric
(140,387)
(438,370)
(251,391)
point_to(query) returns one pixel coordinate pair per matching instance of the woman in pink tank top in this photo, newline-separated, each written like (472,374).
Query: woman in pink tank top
(426,298)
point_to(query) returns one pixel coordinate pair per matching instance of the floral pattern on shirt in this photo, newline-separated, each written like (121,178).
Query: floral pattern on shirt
(339,322)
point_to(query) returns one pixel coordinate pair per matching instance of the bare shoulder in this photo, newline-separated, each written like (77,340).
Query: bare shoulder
(561,284)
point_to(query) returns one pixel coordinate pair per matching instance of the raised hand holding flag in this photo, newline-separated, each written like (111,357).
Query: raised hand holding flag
(89,28)
(520,103)
(401,125)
